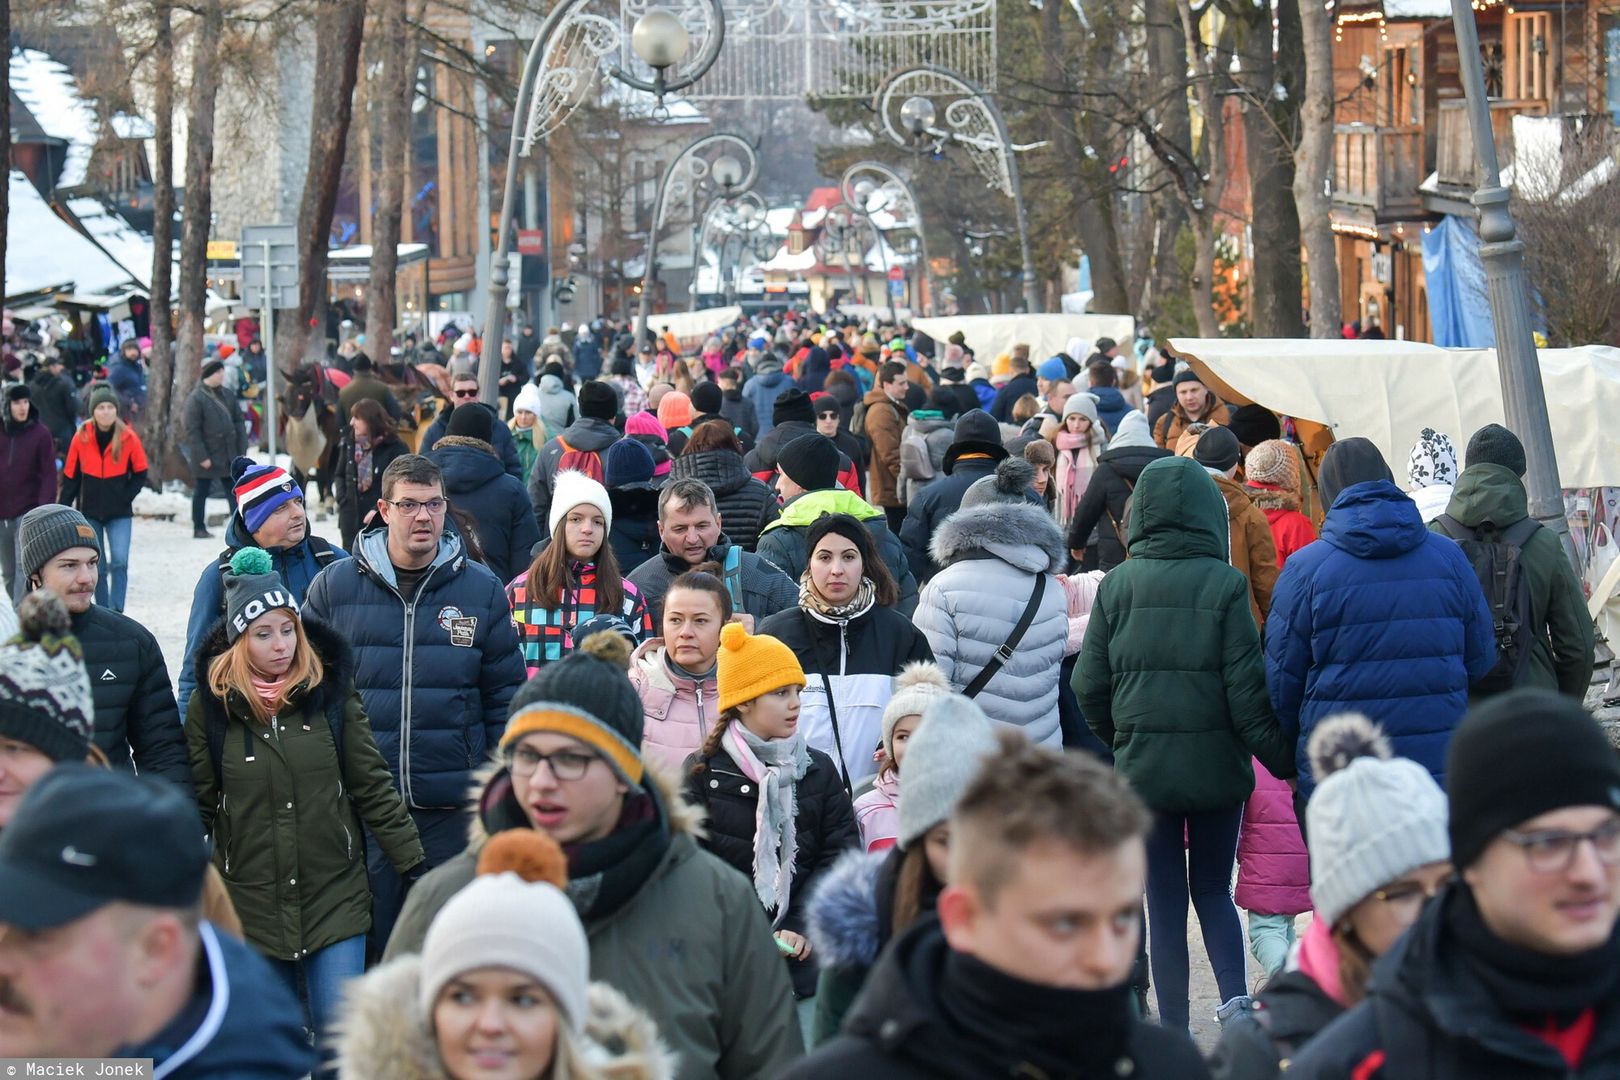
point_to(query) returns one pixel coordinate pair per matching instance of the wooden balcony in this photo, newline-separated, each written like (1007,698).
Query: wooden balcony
(1378,169)
(1456,164)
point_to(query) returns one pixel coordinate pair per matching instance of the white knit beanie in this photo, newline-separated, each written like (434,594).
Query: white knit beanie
(918,685)
(571,489)
(1373,817)
(502,921)
(942,759)
(527,400)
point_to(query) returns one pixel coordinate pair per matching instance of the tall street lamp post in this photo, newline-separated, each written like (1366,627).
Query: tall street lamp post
(559,70)
(878,177)
(731,178)
(975,122)
(1502,253)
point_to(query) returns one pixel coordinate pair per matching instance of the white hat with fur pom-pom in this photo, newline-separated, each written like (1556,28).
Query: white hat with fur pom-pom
(918,684)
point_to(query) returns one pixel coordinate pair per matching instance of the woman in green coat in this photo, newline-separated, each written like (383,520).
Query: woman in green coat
(1172,679)
(287,771)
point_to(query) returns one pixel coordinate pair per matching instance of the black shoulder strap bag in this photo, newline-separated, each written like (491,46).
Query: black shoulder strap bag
(1005,652)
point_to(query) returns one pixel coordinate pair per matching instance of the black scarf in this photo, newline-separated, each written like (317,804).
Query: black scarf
(1526,983)
(1030,1030)
(604,874)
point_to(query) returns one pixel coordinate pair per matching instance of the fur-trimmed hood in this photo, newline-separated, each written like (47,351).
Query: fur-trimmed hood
(845,925)
(1271,497)
(382,1033)
(1022,536)
(337,657)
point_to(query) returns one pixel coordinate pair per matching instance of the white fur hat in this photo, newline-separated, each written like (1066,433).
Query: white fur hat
(571,489)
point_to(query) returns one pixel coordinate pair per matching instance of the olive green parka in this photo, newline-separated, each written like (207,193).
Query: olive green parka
(1171,675)
(286,823)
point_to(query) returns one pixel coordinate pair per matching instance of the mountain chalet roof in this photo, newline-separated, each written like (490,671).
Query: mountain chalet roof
(51,94)
(44,253)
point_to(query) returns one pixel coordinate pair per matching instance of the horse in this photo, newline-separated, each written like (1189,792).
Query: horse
(312,427)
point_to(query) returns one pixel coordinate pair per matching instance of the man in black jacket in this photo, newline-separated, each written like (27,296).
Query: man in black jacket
(435,691)
(1026,971)
(136,718)
(56,401)
(464,391)
(971,457)
(1514,969)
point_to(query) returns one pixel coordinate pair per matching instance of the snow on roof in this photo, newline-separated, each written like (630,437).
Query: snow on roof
(45,252)
(779,218)
(636,104)
(127,246)
(126,126)
(50,92)
(784,263)
(874,259)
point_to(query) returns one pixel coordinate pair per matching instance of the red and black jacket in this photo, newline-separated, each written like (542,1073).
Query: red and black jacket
(100,483)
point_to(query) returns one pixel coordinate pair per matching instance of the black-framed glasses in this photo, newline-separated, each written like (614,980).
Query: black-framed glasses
(565,764)
(410,507)
(1552,851)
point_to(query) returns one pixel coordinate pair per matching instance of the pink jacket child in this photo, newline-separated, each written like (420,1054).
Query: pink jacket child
(1274,871)
(677,711)
(877,812)
(1080,591)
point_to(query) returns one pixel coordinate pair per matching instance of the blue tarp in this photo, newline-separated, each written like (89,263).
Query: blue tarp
(1459,311)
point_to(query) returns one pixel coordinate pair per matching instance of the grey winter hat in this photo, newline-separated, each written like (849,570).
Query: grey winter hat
(943,758)
(44,691)
(1010,483)
(252,587)
(47,531)
(1372,818)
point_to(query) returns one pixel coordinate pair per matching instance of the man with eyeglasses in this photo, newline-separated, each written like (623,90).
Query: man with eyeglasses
(1514,969)
(672,927)
(464,393)
(436,661)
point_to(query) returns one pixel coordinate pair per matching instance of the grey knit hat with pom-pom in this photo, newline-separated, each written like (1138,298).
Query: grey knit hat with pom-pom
(1010,483)
(919,684)
(44,691)
(253,589)
(942,759)
(1372,819)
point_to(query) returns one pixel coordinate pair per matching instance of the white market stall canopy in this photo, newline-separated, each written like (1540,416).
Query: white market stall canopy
(694,326)
(1389,391)
(1047,335)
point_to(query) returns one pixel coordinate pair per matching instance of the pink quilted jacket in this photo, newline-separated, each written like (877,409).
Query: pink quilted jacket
(878,813)
(1274,871)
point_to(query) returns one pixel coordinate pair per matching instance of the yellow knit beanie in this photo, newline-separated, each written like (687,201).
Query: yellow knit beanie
(752,665)
(1002,365)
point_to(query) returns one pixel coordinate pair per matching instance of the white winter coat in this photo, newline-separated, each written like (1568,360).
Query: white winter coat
(991,554)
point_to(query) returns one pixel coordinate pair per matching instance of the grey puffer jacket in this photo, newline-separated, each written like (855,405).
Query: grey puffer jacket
(991,556)
(558,406)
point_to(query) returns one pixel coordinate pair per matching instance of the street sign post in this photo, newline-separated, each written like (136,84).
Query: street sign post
(531,242)
(897,273)
(269,255)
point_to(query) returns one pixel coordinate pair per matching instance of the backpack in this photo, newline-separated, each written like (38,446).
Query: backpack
(588,462)
(915,462)
(731,574)
(1496,556)
(1124,515)
(321,549)
(857,420)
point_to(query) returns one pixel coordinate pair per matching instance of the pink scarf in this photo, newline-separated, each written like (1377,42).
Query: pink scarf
(1319,959)
(269,692)
(1076,461)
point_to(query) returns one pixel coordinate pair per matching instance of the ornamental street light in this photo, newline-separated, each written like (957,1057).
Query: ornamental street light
(864,179)
(730,178)
(558,72)
(1523,398)
(974,122)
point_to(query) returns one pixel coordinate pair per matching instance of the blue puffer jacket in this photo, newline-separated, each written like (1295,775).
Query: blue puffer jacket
(297,566)
(435,688)
(1111,406)
(1375,617)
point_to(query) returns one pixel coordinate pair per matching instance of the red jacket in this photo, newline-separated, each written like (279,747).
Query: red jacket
(102,484)
(1290,529)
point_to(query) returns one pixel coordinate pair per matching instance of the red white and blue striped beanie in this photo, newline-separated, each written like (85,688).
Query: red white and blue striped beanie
(260,489)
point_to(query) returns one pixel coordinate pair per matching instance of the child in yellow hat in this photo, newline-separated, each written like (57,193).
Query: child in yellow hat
(777,809)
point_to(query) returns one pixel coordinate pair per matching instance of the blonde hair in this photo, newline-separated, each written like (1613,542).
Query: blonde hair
(230,670)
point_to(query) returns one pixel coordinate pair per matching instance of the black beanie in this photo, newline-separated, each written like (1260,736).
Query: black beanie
(707,398)
(1350,461)
(1217,449)
(1518,756)
(1189,375)
(794,404)
(211,367)
(1494,444)
(598,401)
(811,461)
(474,420)
(1254,424)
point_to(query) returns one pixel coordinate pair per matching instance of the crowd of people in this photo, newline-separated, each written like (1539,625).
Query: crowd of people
(824,702)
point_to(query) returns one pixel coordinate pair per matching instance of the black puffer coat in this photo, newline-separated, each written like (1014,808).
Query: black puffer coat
(135,710)
(746,504)
(1106,494)
(938,501)
(478,484)
(825,829)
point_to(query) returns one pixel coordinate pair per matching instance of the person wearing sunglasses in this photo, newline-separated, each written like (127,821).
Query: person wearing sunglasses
(1514,968)
(464,391)
(1379,850)
(436,661)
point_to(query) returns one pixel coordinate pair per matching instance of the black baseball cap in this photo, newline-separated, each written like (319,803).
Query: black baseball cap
(84,837)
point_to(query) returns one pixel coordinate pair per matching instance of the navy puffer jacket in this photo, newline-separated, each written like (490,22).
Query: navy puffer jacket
(479,485)
(1377,617)
(436,674)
